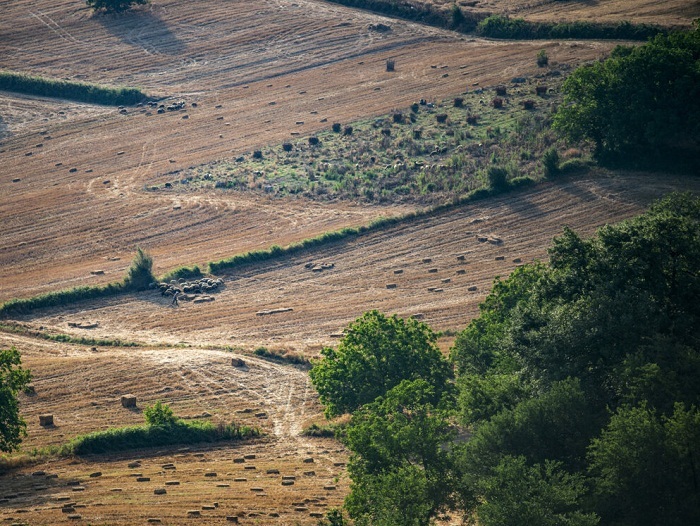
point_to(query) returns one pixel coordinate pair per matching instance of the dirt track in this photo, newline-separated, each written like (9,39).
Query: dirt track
(313,66)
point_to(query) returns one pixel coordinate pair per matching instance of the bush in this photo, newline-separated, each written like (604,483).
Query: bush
(160,414)
(79,91)
(498,178)
(550,162)
(140,273)
(542,58)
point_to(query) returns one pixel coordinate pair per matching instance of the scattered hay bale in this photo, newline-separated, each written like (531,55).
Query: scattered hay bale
(238,460)
(97,272)
(461,258)
(223,485)
(308,461)
(38,473)
(75,517)
(232,518)
(482,239)
(500,258)
(427,260)
(194,513)
(143,479)
(287,482)
(67,509)
(301,508)
(391,285)
(461,271)
(459,102)
(441,118)
(153,520)
(250,467)
(159,491)
(208,507)
(329,488)
(275,311)
(135,464)
(78,488)
(172,482)
(237,362)
(472,288)
(398,271)
(517,260)
(316,515)
(273,472)
(261,414)
(309,473)
(95,475)
(210,474)
(287,147)
(128,400)
(240,479)
(45,420)
(437,289)
(250,456)
(257,490)
(432,271)
(446,280)
(390,64)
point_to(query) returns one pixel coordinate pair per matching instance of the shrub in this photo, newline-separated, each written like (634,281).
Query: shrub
(542,58)
(140,273)
(550,162)
(160,414)
(498,178)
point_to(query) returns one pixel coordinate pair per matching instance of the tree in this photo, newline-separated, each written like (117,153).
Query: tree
(160,414)
(13,379)
(398,465)
(640,101)
(376,354)
(114,6)
(542,495)
(646,467)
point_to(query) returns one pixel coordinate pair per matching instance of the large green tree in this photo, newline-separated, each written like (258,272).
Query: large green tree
(376,354)
(641,100)
(12,380)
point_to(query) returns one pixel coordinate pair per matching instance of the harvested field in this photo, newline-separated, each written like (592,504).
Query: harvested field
(312,62)
(488,235)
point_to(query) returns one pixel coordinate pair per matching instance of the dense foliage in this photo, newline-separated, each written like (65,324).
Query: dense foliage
(162,428)
(640,101)
(66,89)
(578,384)
(13,379)
(376,354)
(114,6)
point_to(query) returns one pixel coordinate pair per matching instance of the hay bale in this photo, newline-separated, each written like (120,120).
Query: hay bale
(391,285)
(172,482)
(237,362)
(517,260)
(461,271)
(461,258)
(45,420)
(250,456)
(153,520)
(427,260)
(135,464)
(128,400)
(273,471)
(441,118)
(500,258)
(287,482)
(472,288)
(194,513)
(210,474)
(446,280)
(232,518)
(390,64)
(95,475)
(459,102)
(208,507)
(308,461)
(329,488)
(432,271)
(159,491)
(238,460)
(309,473)
(143,479)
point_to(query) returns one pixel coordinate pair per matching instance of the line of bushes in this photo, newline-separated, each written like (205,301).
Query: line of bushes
(138,277)
(455,19)
(281,356)
(143,436)
(277,251)
(499,26)
(65,89)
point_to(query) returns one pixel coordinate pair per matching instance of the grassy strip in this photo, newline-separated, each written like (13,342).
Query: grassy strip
(65,338)
(330,430)
(143,436)
(498,26)
(277,252)
(65,89)
(282,357)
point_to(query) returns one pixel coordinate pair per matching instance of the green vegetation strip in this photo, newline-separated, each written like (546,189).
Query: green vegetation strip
(143,436)
(499,26)
(64,338)
(65,89)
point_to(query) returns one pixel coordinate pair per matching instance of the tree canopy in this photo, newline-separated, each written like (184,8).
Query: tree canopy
(13,379)
(640,101)
(376,354)
(114,6)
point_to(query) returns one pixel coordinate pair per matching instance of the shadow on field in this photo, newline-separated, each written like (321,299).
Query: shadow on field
(144,29)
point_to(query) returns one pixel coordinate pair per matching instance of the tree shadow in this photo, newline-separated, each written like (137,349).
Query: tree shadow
(143,29)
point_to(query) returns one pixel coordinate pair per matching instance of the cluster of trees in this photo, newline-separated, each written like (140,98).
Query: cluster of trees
(641,102)
(575,398)
(114,6)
